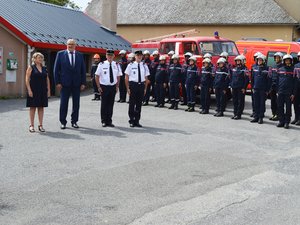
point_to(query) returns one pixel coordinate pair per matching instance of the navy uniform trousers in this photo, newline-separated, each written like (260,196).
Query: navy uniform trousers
(135,101)
(107,103)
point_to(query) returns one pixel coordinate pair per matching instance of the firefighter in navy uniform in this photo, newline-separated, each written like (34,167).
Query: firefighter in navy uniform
(161,81)
(96,59)
(206,85)
(252,98)
(147,61)
(261,82)
(221,82)
(297,94)
(183,79)
(273,92)
(286,83)
(123,62)
(175,75)
(136,80)
(238,81)
(108,76)
(192,82)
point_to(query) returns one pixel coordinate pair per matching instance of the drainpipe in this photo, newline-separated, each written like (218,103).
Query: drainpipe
(29,51)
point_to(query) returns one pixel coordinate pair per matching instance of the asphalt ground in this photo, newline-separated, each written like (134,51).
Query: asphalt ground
(179,169)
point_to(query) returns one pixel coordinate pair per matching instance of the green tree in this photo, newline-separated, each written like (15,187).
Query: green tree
(66,3)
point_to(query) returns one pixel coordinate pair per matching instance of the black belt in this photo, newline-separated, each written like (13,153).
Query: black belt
(139,83)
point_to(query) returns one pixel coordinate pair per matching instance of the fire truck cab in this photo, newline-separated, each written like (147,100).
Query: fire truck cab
(199,46)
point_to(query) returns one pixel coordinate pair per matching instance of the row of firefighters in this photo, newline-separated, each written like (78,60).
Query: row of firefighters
(178,81)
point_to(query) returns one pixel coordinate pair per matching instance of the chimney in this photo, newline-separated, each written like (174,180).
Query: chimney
(104,12)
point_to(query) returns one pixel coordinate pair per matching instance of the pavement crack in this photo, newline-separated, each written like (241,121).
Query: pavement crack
(227,206)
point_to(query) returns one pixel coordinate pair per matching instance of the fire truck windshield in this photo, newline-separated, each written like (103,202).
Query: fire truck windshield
(215,48)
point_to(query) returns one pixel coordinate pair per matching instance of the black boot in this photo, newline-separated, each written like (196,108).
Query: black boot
(188,108)
(192,108)
(176,105)
(255,120)
(260,121)
(172,105)
(286,126)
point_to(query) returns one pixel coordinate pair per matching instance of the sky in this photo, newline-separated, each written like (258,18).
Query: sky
(82,3)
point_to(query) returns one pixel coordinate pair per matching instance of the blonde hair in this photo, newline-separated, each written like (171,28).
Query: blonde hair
(71,41)
(35,55)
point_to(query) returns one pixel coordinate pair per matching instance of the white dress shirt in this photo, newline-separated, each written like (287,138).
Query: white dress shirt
(103,72)
(70,57)
(132,71)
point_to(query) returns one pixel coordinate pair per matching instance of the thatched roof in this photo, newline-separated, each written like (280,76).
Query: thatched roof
(148,12)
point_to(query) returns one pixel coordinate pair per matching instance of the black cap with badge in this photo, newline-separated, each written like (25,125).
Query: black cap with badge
(138,52)
(110,52)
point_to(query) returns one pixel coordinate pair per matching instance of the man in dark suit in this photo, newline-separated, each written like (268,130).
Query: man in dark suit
(70,79)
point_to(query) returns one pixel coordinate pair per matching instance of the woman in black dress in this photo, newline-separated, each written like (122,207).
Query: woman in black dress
(38,87)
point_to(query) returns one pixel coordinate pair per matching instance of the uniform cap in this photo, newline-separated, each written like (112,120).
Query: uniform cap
(138,52)
(110,52)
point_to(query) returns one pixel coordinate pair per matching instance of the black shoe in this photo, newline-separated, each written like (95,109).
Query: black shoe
(233,117)
(74,125)
(131,125)
(183,103)
(298,123)
(156,105)
(176,106)
(63,126)
(110,125)
(252,115)
(237,117)
(145,103)
(205,112)
(260,121)
(286,126)
(119,100)
(191,109)
(255,120)
(161,106)
(275,118)
(122,101)
(172,106)
(138,125)
(187,109)
(104,125)
(280,125)
(294,121)
(97,99)
(201,112)
(94,99)
(220,114)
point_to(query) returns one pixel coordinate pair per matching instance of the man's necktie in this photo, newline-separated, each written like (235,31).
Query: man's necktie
(72,59)
(111,75)
(139,74)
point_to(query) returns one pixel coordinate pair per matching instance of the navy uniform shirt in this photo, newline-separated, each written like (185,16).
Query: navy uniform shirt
(175,73)
(261,77)
(286,80)
(274,75)
(239,77)
(161,75)
(192,75)
(206,76)
(221,77)
(104,74)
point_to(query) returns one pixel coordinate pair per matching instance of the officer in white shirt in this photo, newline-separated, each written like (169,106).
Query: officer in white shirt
(136,80)
(107,78)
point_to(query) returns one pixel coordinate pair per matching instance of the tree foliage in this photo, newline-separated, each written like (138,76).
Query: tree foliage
(66,3)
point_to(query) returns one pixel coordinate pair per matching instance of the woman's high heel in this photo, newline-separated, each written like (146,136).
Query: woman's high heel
(41,129)
(31,129)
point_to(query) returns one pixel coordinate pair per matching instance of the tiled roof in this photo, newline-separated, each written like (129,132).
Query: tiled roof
(205,12)
(47,23)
